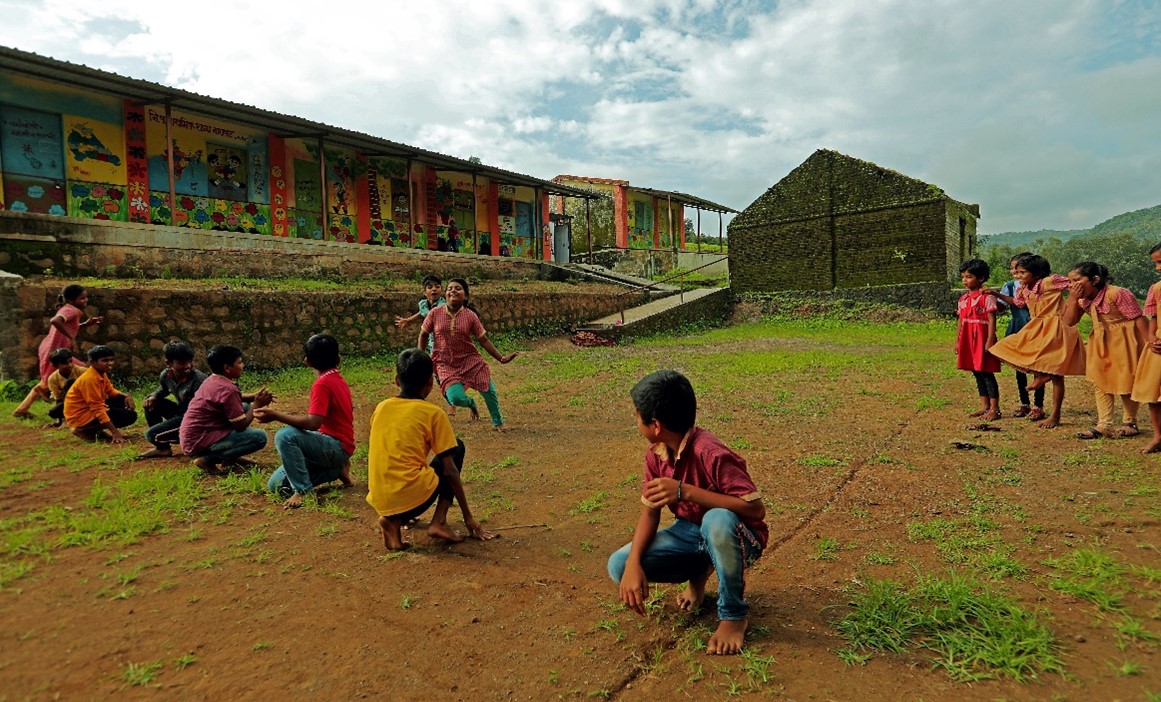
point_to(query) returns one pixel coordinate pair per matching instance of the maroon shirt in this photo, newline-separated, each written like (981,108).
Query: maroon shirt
(217,402)
(330,398)
(703,461)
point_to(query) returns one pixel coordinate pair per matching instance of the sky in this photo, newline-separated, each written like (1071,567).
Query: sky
(1047,113)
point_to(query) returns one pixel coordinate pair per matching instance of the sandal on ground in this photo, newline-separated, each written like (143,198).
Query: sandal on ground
(1091,433)
(983,426)
(1128,429)
(1022,411)
(1036,414)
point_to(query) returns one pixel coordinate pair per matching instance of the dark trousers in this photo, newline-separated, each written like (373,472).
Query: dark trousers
(164,420)
(443,489)
(987,385)
(118,415)
(1022,388)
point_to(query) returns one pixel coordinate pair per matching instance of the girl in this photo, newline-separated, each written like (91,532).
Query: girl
(1034,411)
(457,362)
(1119,333)
(1147,381)
(1049,346)
(62,334)
(977,333)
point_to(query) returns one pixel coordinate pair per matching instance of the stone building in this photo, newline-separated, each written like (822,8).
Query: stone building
(837,222)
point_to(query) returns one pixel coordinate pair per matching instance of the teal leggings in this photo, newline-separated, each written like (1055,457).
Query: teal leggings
(458,396)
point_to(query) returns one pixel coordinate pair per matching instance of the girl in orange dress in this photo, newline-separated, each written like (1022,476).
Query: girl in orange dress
(1118,335)
(1147,380)
(976,334)
(1049,346)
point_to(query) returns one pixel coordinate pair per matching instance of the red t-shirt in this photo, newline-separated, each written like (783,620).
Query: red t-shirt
(705,462)
(217,402)
(330,398)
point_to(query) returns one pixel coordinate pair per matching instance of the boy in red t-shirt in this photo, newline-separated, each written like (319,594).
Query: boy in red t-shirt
(315,447)
(719,514)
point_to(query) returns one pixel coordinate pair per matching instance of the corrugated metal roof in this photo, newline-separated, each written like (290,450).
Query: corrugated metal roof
(148,92)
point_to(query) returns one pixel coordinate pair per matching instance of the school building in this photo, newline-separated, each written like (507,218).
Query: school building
(85,143)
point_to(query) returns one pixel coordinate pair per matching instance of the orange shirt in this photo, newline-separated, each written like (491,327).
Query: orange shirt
(85,400)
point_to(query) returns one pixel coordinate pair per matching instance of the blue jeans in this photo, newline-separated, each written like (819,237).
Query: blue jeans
(458,396)
(686,551)
(236,445)
(309,458)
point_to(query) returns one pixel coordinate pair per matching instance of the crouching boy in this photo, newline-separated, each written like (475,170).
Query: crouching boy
(401,483)
(179,380)
(719,514)
(216,426)
(92,406)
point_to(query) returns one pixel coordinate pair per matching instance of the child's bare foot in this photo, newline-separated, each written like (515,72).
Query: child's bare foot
(727,640)
(208,466)
(244,462)
(991,415)
(154,453)
(690,600)
(475,414)
(392,538)
(21,414)
(500,428)
(293,502)
(451,410)
(1050,423)
(345,476)
(978,413)
(1153,446)
(443,531)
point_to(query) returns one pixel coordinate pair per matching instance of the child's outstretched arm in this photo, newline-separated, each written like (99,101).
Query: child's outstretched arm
(401,321)
(305,422)
(667,491)
(491,349)
(634,584)
(453,477)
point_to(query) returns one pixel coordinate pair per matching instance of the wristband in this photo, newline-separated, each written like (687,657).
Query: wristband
(679,491)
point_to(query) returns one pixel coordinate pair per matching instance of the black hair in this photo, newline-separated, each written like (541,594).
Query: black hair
(1038,266)
(322,352)
(977,267)
(467,293)
(59,356)
(178,351)
(1020,255)
(222,355)
(668,397)
(70,293)
(1093,270)
(413,368)
(98,352)
(431,280)
(1155,249)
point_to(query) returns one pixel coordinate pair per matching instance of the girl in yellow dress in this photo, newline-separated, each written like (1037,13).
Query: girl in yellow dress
(1049,346)
(1118,334)
(1147,381)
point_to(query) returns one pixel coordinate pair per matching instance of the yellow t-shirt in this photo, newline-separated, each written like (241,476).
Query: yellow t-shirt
(404,433)
(56,383)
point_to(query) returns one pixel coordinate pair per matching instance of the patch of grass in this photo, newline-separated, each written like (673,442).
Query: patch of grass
(185,661)
(1090,574)
(826,549)
(262,646)
(140,674)
(818,461)
(407,602)
(590,504)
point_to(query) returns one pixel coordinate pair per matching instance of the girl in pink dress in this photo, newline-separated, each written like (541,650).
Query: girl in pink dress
(977,334)
(62,334)
(458,363)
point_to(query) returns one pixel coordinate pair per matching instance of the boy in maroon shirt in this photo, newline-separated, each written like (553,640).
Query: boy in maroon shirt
(719,514)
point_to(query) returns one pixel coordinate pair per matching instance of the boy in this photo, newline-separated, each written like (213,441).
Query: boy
(401,485)
(315,447)
(216,426)
(93,406)
(432,298)
(719,514)
(179,379)
(59,383)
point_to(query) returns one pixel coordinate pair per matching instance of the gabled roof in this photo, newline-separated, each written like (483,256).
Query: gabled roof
(146,92)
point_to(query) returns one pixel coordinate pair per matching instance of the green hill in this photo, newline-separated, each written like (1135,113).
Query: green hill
(1017,239)
(1144,224)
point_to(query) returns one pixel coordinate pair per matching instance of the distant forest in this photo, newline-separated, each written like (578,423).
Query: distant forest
(1121,243)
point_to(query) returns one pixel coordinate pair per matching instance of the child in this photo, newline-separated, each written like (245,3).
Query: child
(1049,346)
(457,361)
(1034,412)
(401,483)
(719,513)
(1119,333)
(216,426)
(179,379)
(315,447)
(93,406)
(59,383)
(62,334)
(1147,379)
(432,298)
(977,334)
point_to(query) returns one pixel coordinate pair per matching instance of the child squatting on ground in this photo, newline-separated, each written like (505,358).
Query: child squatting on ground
(977,334)
(216,427)
(315,447)
(180,380)
(62,334)
(719,513)
(93,406)
(59,383)
(401,483)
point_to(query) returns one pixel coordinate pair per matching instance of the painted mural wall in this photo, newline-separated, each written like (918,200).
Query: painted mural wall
(65,151)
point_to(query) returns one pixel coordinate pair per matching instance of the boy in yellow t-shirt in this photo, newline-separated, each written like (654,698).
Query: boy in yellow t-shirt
(402,484)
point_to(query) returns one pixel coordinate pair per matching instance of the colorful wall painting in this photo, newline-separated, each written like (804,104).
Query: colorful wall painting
(210,214)
(228,172)
(305,224)
(136,164)
(31,143)
(192,136)
(279,187)
(307,186)
(94,150)
(640,217)
(37,195)
(97,201)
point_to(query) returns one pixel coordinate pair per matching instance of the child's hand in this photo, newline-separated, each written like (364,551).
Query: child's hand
(1155,345)
(263,415)
(263,397)
(129,404)
(401,322)
(147,403)
(991,341)
(117,437)
(477,532)
(509,357)
(661,491)
(634,588)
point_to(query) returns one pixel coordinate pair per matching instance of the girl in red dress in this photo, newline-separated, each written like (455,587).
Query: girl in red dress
(977,334)
(62,334)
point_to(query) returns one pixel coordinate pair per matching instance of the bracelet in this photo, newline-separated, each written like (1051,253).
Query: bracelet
(679,491)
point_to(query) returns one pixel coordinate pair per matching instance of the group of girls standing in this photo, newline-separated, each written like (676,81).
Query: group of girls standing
(1122,358)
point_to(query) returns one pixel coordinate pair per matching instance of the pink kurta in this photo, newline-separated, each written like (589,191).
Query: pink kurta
(456,358)
(56,340)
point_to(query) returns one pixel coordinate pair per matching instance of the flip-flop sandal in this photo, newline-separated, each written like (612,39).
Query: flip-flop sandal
(1089,434)
(1035,415)
(1128,429)
(1022,411)
(983,426)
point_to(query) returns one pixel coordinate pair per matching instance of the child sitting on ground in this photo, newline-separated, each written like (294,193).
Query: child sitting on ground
(401,483)
(216,426)
(179,380)
(719,513)
(93,406)
(62,378)
(315,447)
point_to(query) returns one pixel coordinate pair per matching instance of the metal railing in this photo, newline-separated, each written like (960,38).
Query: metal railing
(680,284)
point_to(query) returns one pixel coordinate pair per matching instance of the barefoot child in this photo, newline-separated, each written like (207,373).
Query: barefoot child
(59,383)
(1147,379)
(315,447)
(1034,410)
(401,483)
(216,426)
(1119,333)
(457,361)
(977,334)
(179,380)
(1049,346)
(62,334)
(719,513)
(93,406)
(432,298)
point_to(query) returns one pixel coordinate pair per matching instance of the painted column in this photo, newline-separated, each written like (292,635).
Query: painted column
(656,224)
(363,206)
(136,163)
(621,216)
(279,187)
(494,216)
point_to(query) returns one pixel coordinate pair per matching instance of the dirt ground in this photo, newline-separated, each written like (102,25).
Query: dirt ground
(846,432)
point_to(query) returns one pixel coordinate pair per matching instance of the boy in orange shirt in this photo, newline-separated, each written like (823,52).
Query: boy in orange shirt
(92,406)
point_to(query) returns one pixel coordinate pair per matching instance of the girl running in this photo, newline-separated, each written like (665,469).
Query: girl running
(62,334)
